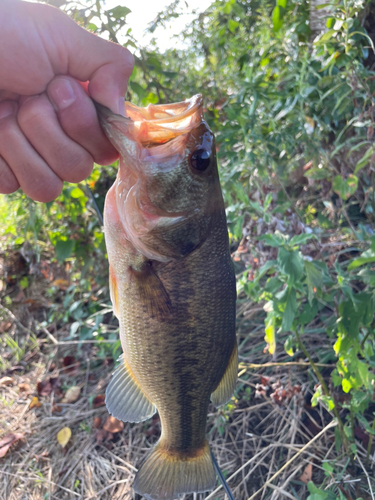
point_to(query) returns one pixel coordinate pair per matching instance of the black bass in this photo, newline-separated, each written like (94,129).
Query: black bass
(172,286)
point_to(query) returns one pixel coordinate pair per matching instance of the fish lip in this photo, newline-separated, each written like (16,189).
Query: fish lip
(156,124)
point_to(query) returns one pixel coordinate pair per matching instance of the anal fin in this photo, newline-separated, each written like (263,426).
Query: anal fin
(224,391)
(124,397)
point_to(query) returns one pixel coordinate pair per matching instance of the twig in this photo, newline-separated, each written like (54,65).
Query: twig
(13,318)
(72,342)
(252,459)
(97,495)
(369,446)
(38,477)
(288,363)
(329,426)
(367,476)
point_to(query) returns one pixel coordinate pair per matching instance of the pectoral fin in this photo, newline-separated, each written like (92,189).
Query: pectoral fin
(124,397)
(152,292)
(225,389)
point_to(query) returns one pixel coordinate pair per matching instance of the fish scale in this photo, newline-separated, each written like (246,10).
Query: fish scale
(173,288)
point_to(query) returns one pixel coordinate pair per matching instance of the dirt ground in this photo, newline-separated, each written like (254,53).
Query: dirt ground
(268,441)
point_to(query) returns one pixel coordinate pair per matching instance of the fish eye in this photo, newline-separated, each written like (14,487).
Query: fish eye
(200,159)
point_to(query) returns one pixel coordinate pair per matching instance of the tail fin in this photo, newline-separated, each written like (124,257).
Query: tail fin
(167,474)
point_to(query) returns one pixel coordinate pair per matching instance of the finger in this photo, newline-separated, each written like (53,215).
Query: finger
(78,118)
(39,123)
(8,181)
(85,56)
(36,179)
(5,95)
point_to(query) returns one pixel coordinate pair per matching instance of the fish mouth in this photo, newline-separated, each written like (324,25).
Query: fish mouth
(155,124)
(149,140)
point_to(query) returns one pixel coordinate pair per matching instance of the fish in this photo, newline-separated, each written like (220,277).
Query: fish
(172,286)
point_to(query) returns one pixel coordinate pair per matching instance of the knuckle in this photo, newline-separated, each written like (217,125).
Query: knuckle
(32,113)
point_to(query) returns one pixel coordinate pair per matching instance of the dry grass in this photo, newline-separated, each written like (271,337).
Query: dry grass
(265,440)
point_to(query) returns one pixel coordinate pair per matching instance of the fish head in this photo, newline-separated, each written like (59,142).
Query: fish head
(167,190)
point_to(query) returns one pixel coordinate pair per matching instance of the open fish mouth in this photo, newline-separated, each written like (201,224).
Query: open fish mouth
(154,125)
(151,141)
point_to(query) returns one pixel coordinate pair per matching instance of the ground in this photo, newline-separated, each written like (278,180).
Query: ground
(269,441)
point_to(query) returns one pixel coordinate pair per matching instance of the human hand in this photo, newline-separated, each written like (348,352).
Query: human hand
(49,130)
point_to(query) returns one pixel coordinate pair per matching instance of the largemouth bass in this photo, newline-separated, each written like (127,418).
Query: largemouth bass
(172,286)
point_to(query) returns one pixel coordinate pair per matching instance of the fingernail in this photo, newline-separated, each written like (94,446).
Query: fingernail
(61,93)
(7,109)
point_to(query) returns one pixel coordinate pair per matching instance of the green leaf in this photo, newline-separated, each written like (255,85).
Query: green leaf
(308,313)
(276,18)
(316,493)
(233,25)
(360,261)
(119,12)
(316,396)
(314,279)
(269,330)
(291,264)
(64,249)
(301,239)
(346,385)
(288,345)
(289,311)
(345,188)
(77,193)
(272,240)
(24,282)
(138,89)
(364,160)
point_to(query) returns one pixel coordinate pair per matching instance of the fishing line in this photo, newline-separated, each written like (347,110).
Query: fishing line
(216,465)
(221,477)
(93,201)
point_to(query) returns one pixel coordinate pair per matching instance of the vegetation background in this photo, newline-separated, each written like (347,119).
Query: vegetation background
(289,91)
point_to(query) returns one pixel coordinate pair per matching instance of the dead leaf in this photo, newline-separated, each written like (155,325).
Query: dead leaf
(5,326)
(43,456)
(96,423)
(7,442)
(56,409)
(44,388)
(6,381)
(35,403)
(99,401)
(100,436)
(112,424)
(72,394)
(60,283)
(23,387)
(71,366)
(63,436)
(306,474)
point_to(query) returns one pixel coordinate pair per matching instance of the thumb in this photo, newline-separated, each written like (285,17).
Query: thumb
(106,65)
